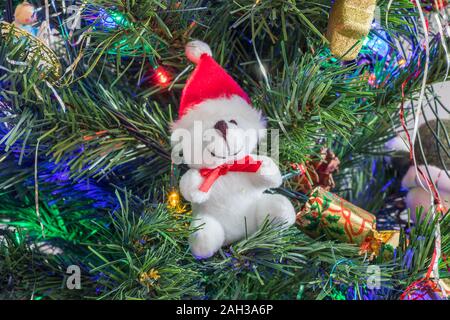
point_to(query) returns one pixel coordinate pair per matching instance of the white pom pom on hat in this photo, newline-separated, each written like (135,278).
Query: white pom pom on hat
(195,49)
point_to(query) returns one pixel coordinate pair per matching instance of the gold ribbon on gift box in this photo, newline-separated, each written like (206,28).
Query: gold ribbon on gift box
(372,245)
(326,214)
(350,21)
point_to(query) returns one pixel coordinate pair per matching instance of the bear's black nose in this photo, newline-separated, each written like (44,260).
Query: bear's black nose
(222,127)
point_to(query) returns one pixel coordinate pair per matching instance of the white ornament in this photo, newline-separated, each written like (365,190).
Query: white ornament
(225,214)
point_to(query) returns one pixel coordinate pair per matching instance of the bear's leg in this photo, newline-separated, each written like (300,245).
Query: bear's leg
(208,239)
(418,197)
(278,209)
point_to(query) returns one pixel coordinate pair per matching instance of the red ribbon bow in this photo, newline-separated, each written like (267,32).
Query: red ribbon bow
(247,164)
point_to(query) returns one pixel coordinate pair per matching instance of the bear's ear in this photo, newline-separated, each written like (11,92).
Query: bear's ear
(262,135)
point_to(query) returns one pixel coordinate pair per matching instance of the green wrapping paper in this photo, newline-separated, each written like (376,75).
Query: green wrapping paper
(328,215)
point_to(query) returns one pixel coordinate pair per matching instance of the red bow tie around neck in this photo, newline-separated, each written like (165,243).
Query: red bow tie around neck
(211,175)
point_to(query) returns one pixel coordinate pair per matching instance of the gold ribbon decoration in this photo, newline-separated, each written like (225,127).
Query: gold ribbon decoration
(350,21)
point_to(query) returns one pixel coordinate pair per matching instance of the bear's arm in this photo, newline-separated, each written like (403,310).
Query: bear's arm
(438,176)
(189,187)
(409,180)
(268,175)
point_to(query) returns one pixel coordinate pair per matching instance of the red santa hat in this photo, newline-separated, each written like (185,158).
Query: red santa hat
(210,91)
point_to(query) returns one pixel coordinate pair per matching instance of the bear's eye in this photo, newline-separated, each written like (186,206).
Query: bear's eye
(233,121)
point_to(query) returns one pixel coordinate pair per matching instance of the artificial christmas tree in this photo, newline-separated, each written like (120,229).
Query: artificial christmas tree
(89,179)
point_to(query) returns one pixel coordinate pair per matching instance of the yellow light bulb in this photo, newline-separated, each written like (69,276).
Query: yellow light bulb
(401,62)
(173,199)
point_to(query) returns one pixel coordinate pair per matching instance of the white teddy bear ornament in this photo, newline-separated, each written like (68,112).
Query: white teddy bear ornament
(216,133)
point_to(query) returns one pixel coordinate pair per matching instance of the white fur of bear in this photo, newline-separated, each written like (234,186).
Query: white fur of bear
(235,205)
(418,193)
